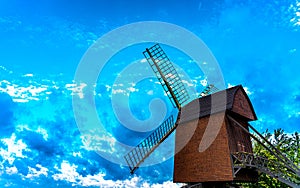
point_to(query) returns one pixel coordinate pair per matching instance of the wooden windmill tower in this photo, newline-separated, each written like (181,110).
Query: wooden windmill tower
(229,157)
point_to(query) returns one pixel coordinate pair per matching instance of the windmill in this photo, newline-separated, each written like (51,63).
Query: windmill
(230,157)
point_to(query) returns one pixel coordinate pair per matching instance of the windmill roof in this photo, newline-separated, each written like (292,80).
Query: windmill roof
(232,99)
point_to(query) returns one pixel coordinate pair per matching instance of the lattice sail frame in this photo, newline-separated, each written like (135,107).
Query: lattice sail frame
(176,92)
(209,89)
(138,154)
(167,75)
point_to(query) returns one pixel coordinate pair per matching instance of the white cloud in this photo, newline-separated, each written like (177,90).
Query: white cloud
(28,75)
(118,91)
(293,50)
(136,181)
(291,108)
(265,120)
(108,87)
(295,9)
(11,170)
(188,83)
(203,82)
(36,172)
(143,60)
(229,85)
(77,154)
(1,67)
(14,149)
(43,132)
(98,142)
(35,88)
(22,127)
(132,89)
(77,89)
(22,93)
(168,184)
(247,90)
(68,172)
(150,92)
(39,130)
(21,100)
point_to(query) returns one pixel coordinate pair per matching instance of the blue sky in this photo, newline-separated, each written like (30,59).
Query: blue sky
(256,44)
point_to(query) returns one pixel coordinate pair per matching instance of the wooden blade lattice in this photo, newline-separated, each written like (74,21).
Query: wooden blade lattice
(138,154)
(167,75)
(209,90)
(176,92)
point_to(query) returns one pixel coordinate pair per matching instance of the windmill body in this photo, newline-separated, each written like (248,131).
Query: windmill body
(215,163)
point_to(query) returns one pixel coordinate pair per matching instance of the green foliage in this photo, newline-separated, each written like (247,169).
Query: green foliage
(289,145)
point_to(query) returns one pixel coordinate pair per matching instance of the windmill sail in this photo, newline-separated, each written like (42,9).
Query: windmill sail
(138,154)
(176,92)
(209,90)
(167,75)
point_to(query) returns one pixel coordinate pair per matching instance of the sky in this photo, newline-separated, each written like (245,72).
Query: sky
(256,44)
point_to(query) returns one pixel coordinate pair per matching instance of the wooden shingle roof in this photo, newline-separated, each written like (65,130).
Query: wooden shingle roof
(233,99)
